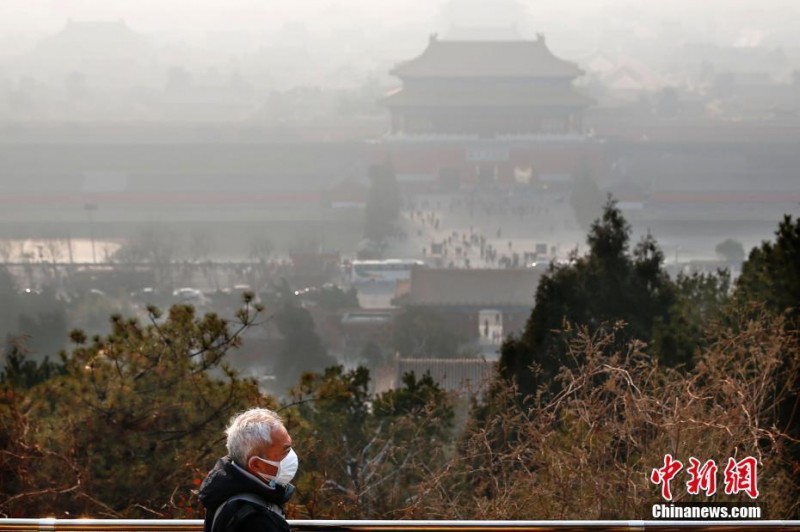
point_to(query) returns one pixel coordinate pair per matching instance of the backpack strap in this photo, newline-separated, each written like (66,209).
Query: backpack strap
(246,510)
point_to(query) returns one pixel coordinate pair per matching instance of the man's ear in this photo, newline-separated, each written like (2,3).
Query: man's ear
(253,464)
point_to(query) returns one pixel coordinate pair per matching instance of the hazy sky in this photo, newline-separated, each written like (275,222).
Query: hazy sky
(153,15)
(574,28)
(148,15)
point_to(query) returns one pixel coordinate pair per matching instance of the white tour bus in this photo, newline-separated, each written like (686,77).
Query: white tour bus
(383,271)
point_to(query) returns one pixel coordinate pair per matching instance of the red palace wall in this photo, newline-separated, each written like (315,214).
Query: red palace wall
(468,160)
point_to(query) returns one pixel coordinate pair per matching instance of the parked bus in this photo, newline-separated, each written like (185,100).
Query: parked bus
(382,271)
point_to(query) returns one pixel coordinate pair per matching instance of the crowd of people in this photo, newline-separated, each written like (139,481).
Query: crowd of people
(494,229)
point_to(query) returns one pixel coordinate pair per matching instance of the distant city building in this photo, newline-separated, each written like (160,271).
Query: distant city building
(483,305)
(487,88)
(464,376)
(488,111)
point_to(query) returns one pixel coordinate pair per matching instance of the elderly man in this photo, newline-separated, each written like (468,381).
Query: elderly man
(247,488)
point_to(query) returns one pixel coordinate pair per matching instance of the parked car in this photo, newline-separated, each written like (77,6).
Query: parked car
(190,296)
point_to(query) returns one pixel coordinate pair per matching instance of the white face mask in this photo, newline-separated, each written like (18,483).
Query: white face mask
(287,468)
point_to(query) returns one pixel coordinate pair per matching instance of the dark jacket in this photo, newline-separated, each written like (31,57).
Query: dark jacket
(228,479)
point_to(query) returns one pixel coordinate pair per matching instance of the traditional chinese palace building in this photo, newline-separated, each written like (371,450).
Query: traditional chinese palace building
(487,111)
(487,88)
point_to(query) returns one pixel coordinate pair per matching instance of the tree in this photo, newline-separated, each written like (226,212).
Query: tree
(606,285)
(771,277)
(731,250)
(9,309)
(259,248)
(614,418)
(366,462)
(20,372)
(200,245)
(383,203)
(45,329)
(301,349)
(414,398)
(771,273)
(37,319)
(5,251)
(586,197)
(700,300)
(372,355)
(419,332)
(129,424)
(329,411)
(89,312)
(333,298)
(154,245)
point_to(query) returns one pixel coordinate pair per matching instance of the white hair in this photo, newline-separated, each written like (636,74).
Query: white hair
(248,430)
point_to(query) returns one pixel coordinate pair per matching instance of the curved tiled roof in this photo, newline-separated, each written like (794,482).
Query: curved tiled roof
(479,59)
(473,287)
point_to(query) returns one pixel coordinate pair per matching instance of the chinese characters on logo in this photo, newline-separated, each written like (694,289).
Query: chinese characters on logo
(665,475)
(741,476)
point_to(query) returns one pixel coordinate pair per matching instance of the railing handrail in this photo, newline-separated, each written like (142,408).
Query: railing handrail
(196,525)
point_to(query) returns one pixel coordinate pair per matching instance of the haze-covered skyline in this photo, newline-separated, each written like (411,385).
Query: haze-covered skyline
(160,149)
(731,22)
(353,43)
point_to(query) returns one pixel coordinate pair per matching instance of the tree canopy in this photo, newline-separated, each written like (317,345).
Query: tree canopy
(383,202)
(606,285)
(771,272)
(771,277)
(618,364)
(301,349)
(127,422)
(421,332)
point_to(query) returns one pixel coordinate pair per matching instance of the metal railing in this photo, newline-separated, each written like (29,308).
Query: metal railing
(194,525)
